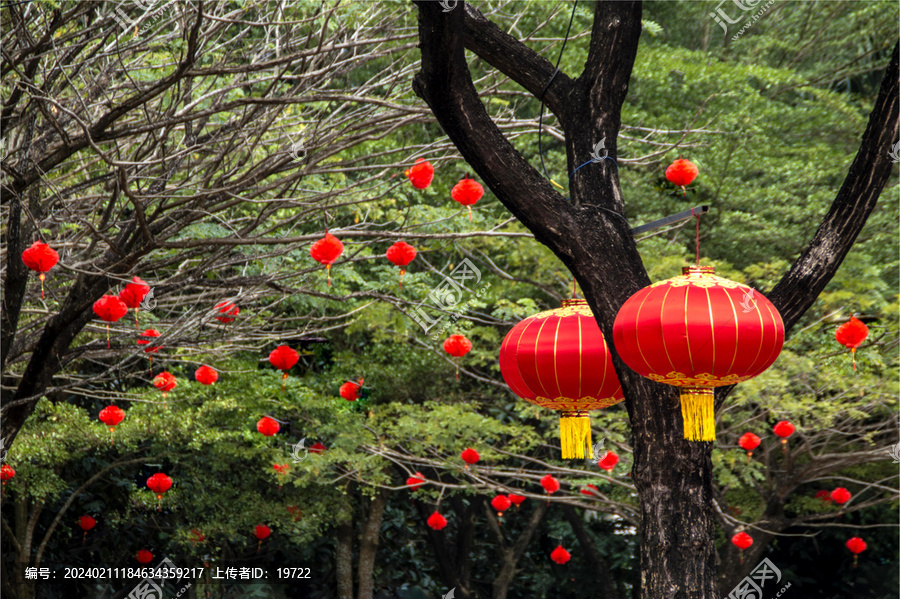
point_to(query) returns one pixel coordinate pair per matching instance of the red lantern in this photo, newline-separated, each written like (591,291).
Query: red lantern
(609,461)
(698,331)
(420,174)
(469,456)
(742,541)
(159,483)
(109,308)
(281,471)
(590,490)
(111,416)
(133,294)
(401,254)
(749,442)
(227,312)
(261,532)
(560,555)
(86,523)
(516,499)
(436,521)
(283,358)
(350,390)
(165,382)
(559,360)
(550,484)
(40,258)
(415,481)
(783,429)
(851,335)
(144,339)
(317,448)
(457,346)
(206,375)
(6,473)
(501,503)
(682,172)
(144,557)
(327,250)
(268,426)
(841,496)
(856,546)
(824,496)
(467,192)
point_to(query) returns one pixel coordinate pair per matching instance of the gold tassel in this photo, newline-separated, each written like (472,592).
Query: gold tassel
(575,434)
(698,411)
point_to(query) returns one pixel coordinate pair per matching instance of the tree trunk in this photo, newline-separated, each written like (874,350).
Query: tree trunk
(368,544)
(344,559)
(605,584)
(510,555)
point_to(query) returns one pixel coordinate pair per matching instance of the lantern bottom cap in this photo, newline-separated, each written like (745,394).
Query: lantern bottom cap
(575,434)
(699,413)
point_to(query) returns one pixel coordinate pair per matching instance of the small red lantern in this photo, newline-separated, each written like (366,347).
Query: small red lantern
(783,429)
(742,541)
(110,308)
(749,442)
(111,416)
(143,556)
(86,523)
(436,521)
(851,335)
(350,390)
(415,481)
(206,375)
(609,461)
(261,532)
(401,254)
(144,339)
(550,484)
(823,495)
(560,555)
(469,456)
(841,496)
(6,473)
(420,174)
(317,448)
(856,546)
(457,346)
(467,192)
(516,499)
(590,490)
(682,172)
(165,382)
(268,426)
(283,358)
(133,294)
(159,483)
(227,312)
(327,250)
(40,258)
(501,503)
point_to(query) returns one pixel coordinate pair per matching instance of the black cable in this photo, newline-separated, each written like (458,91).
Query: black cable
(552,77)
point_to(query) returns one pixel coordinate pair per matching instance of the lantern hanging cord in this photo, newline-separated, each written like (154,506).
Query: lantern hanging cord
(697,216)
(541,97)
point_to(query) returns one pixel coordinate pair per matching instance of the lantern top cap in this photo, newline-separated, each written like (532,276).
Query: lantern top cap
(574,302)
(695,269)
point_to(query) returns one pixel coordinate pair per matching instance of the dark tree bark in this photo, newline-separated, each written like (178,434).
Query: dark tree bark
(591,236)
(453,562)
(368,544)
(344,558)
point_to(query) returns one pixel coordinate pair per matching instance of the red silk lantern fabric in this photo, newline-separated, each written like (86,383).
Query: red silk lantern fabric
(559,360)
(457,345)
(501,503)
(206,375)
(317,448)
(415,481)
(823,495)
(350,390)
(560,555)
(227,312)
(144,339)
(437,521)
(6,473)
(550,484)
(401,254)
(783,429)
(281,469)
(420,174)
(682,172)
(609,461)
(165,382)
(698,331)
(856,545)
(841,495)
(283,357)
(470,456)
(467,192)
(110,308)
(749,442)
(159,483)
(742,540)
(262,531)
(134,293)
(40,258)
(851,335)
(589,490)
(516,500)
(144,557)
(326,251)
(111,415)
(86,523)
(268,426)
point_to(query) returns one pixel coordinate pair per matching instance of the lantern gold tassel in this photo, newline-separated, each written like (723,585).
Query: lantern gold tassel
(698,411)
(575,434)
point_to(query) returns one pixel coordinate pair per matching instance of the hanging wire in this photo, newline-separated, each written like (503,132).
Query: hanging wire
(541,97)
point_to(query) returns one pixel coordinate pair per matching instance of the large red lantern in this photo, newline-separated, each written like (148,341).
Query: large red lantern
(856,546)
(457,346)
(467,192)
(133,294)
(698,331)
(40,258)
(110,308)
(559,360)
(749,442)
(420,174)
(560,555)
(401,254)
(159,483)
(682,172)
(268,426)
(227,312)
(86,523)
(742,541)
(851,335)
(111,416)
(206,375)
(283,358)
(350,390)
(326,251)
(437,521)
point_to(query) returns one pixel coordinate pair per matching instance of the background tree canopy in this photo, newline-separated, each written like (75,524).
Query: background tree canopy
(205,147)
